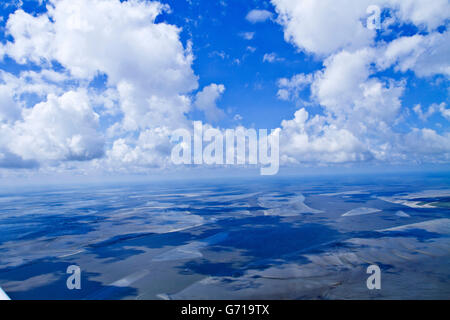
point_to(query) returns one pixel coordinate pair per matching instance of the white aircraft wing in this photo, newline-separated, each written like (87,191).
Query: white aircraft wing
(3,295)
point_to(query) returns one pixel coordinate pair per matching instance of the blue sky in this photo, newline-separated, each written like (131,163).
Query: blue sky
(100,85)
(219,44)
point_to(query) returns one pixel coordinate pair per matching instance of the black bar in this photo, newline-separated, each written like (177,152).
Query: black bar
(232,309)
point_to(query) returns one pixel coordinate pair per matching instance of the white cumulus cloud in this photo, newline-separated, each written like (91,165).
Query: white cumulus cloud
(256,16)
(61,128)
(148,72)
(206,101)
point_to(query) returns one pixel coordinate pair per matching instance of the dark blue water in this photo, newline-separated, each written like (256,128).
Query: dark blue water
(278,238)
